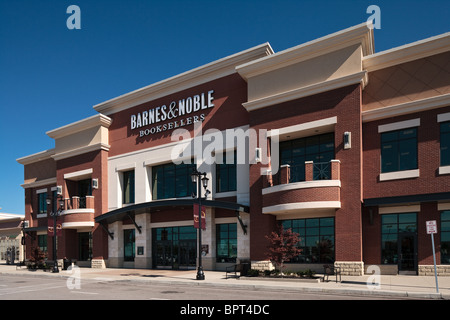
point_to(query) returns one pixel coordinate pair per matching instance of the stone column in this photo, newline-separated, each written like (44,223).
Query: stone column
(115,246)
(144,240)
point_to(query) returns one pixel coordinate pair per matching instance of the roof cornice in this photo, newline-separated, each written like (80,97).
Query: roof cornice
(211,71)
(43,155)
(409,52)
(360,34)
(91,122)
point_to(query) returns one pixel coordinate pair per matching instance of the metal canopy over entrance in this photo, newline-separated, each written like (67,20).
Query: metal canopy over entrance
(148,207)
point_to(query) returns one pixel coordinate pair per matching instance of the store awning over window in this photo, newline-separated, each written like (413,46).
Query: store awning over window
(149,207)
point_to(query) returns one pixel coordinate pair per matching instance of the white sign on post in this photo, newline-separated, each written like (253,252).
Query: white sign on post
(431,227)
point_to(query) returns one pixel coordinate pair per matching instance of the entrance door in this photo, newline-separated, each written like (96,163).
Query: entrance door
(188,254)
(407,249)
(84,246)
(164,255)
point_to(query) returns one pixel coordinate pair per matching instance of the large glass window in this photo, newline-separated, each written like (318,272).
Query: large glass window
(128,244)
(445,143)
(172,181)
(226,237)
(445,237)
(42,203)
(226,175)
(391,226)
(128,187)
(42,242)
(399,150)
(316,239)
(319,149)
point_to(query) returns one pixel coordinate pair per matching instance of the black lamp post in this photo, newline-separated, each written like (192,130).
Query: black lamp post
(55,215)
(196,179)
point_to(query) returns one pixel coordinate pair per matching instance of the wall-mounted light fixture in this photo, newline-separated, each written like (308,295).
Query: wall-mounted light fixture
(347,140)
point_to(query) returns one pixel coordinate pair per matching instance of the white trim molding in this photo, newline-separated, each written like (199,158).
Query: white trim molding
(189,79)
(78,175)
(81,125)
(443,206)
(39,183)
(398,175)
(399,125)
(71,211)
(399,209)
(443,117)
(444,170)
(409,52)
(298,206)
(304,127)
(359,77)
(359,34)
(74,225)
(302,185)
(406,108)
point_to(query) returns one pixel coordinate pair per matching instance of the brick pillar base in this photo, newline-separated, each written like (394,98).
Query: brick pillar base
(262,265)
(350,268)
(98,264)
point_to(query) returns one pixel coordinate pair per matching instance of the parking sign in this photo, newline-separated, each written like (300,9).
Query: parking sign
(431,227)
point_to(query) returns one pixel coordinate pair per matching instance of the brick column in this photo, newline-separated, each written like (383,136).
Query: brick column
(285,173)
(335,169)
(309,170)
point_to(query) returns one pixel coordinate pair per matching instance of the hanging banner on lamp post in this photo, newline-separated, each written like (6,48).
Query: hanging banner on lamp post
(196,218)
(50,231)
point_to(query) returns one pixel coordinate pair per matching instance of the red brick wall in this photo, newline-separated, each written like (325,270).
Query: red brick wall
(428,159)
(345,103)
(98,161)
(229,94)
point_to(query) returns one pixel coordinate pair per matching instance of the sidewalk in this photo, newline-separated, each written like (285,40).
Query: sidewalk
(423,287)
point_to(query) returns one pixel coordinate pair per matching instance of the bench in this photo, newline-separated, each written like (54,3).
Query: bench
(331,270)
(242,268)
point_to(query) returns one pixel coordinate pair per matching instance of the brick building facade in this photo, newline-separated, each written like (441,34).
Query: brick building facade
(350,151)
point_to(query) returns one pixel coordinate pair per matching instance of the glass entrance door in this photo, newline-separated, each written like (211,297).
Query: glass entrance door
(174,247)
(163,254)
(188,254)
(407,250)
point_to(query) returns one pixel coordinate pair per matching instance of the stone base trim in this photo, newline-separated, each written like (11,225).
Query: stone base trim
(350,268)
(98,264)
(262,265)
(428,270)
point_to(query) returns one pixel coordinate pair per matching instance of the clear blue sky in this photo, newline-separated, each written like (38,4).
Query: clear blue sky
(51,76)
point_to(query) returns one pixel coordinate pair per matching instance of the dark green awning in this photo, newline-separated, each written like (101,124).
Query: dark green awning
(149,207)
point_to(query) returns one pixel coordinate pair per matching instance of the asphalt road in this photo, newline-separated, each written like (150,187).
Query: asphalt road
(43,288)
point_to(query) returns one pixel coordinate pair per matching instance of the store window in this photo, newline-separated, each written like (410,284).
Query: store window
(42,203)
(226,175)
(317,239)
(128,187)
(42,242)
(445,143)
(445,237)
(394,228)
(399,150)
(128,244)
(319,149)
(172,181)
(226,237)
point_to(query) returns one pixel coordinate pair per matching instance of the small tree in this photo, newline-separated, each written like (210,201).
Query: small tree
(38,257)
(283,247)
